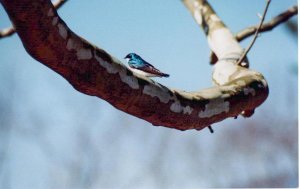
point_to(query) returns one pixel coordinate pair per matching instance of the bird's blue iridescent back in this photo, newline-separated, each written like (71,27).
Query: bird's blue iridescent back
(137,62)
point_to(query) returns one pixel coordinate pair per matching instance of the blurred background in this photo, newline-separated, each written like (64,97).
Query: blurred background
(52,136)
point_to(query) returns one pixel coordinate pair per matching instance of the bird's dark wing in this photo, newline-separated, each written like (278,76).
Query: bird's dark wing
(148,64)
(151,69)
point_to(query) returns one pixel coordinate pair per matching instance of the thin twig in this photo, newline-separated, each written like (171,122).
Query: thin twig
(11,30)
(255,35)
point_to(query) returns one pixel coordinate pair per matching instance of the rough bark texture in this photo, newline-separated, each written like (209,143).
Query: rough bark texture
(94,72)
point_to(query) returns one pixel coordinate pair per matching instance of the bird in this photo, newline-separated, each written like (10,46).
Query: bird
(141,67)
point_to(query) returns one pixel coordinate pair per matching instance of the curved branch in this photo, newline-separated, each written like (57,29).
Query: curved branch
(6,32)
(268,26)
(94,72)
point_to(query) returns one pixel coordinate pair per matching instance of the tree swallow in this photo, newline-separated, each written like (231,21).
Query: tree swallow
(140,66)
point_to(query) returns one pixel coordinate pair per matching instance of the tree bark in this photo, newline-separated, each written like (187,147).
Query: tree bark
(94,72)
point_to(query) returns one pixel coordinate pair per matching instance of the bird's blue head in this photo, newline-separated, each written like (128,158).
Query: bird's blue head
(132,56)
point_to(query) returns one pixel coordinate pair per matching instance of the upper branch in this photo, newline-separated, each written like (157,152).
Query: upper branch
(93,71)
(268,26)
(220,39)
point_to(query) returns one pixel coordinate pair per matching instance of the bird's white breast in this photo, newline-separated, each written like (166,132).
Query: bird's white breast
(127,59)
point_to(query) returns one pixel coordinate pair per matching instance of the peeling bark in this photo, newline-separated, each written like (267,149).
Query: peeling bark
(94,72)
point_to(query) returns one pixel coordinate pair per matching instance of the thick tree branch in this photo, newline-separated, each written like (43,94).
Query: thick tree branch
(6,32)
(94,72)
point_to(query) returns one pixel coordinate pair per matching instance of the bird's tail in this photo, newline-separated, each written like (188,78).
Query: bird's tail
(164,75)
